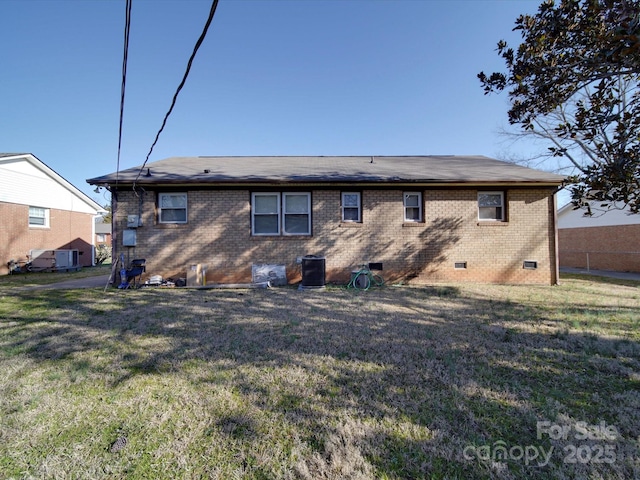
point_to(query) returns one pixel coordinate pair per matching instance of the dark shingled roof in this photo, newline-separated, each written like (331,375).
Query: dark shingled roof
(432,169)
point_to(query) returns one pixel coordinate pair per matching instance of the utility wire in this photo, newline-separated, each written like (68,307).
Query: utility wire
(114,204)
(127,28)
(184,79)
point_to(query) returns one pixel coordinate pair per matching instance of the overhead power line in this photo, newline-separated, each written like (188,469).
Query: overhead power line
(212,12)
(127,27)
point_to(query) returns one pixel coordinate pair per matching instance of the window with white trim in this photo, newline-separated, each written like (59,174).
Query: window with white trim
(172,208)
(412,204)
(265,214)
(296,213)
(38,217)
(277,213)
(491,206)
(351,207)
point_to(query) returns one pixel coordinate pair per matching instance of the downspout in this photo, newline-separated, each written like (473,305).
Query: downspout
(555,237)
(93,240)
(114,236)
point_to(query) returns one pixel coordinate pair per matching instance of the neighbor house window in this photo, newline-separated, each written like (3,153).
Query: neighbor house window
(38,217)
(491,206)
(101,237)
(276,213)
(412,206)
(172,207)
(351,210)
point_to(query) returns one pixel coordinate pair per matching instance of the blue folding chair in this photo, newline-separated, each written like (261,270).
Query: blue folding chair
(131,277)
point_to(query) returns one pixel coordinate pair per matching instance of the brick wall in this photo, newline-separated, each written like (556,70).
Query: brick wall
(218,234)
(600,248)
(67,230)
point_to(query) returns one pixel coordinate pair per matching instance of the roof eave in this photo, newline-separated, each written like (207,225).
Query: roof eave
(294,183)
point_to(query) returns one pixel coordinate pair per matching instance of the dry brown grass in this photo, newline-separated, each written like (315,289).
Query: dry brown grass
(389,383)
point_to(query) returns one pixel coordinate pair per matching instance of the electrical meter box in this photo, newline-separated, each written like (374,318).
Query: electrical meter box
(128,238)
(133,221)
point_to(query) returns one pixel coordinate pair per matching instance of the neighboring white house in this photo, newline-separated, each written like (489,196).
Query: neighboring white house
(605,241)
(43,215)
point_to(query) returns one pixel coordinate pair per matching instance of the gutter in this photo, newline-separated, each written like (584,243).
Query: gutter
(351,184)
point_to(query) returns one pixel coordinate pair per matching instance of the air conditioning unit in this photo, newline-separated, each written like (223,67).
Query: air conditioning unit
(54,260)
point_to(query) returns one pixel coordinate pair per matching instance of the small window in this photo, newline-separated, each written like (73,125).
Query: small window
(491,206)
(351,209)
(265,211)
(38,217)
(297,213)
(101,237)
(172,207)
(530,264)
(412,207)
(460,265)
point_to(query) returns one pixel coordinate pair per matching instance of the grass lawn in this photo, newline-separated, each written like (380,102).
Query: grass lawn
(448,381)
(44,278)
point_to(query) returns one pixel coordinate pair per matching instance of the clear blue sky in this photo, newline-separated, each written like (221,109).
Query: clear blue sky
(290,77)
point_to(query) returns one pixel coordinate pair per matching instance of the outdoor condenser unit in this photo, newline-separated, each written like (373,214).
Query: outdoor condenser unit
(49,260)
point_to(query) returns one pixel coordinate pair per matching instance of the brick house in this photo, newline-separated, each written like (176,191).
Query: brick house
(103,233)
(424,218)
(41,212)
(604,241)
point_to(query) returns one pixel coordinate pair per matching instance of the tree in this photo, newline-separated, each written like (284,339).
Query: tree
(106,218)
(574,80)
(103,253)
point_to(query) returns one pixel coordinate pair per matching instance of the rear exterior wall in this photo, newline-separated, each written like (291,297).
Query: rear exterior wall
(66,230)
(218,235)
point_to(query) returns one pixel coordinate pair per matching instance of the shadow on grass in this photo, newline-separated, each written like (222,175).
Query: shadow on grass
(599,279)
(405,377)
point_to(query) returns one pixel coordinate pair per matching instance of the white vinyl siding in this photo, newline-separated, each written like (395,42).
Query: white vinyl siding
(45,189)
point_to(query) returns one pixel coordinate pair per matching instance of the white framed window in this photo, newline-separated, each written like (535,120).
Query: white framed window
(412,204)
(172,207)
(38,217)
(491,206)
(296,213)
(277,213)
(351,207)
(265,214)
